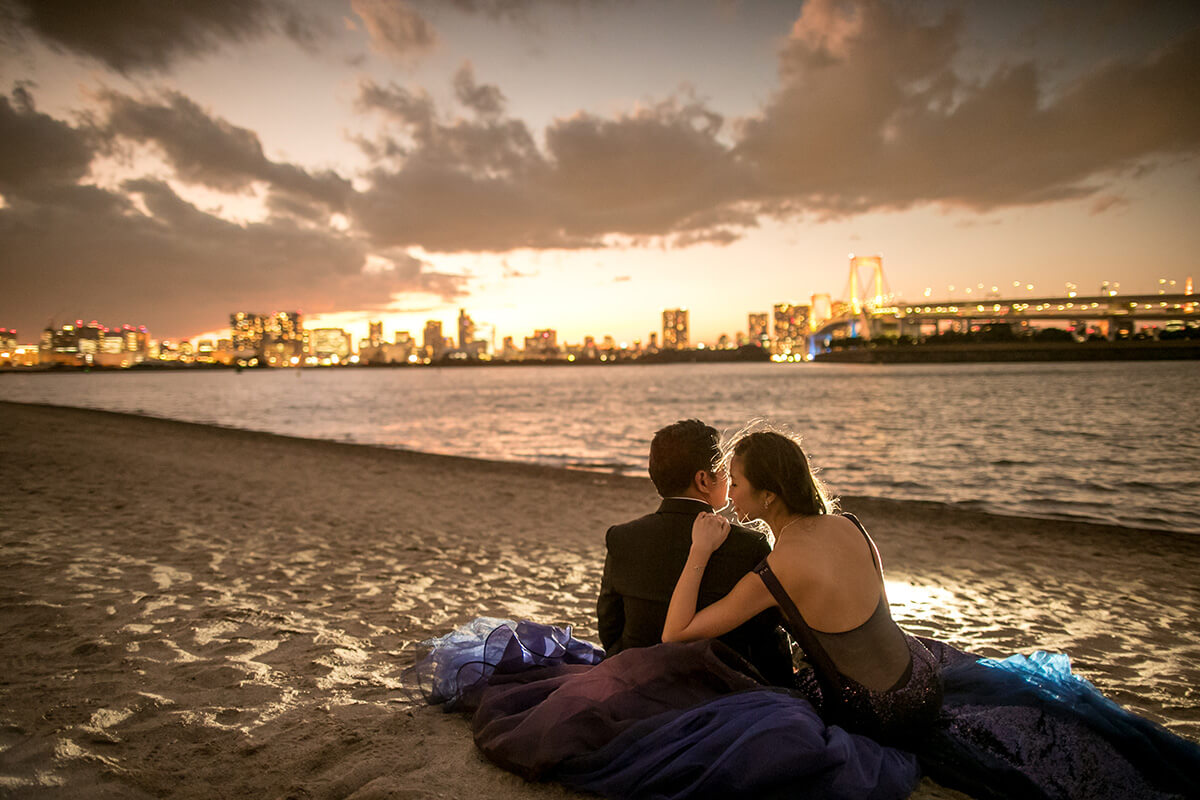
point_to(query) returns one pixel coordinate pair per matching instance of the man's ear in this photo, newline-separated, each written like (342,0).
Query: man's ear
(703,480)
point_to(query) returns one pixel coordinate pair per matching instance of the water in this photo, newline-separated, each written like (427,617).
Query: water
(1113,442)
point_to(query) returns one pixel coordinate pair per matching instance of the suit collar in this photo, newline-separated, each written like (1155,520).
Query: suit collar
(683,505)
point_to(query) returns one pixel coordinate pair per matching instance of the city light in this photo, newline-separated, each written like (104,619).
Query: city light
(870,315)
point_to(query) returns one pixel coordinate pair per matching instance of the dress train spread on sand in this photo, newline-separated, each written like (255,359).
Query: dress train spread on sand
(694,720)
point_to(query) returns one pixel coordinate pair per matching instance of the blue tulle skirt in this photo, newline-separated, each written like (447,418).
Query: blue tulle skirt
(690,720)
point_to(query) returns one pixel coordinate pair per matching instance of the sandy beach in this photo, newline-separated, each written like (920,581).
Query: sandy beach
(194,612)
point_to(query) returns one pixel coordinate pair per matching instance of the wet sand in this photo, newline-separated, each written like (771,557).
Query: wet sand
(190,612)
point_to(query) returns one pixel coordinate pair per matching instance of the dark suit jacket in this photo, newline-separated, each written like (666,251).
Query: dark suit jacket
(644,560)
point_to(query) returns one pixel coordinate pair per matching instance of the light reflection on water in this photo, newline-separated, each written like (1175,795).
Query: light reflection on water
(1109,442)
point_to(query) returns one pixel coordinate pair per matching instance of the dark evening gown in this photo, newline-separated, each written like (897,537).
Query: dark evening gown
(696,720)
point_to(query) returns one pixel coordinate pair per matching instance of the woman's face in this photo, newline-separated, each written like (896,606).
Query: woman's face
(747,501)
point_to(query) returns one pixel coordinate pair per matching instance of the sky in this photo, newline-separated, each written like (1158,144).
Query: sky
(583,165)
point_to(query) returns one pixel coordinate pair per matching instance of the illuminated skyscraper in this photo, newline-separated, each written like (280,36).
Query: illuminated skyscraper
(247,330)
(466,329)
(791,328)
(331,345)
(432,340)
(675,329)
(279,337)
(283,340)
(375,333)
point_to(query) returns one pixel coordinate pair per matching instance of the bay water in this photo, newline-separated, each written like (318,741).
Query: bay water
(1105,442)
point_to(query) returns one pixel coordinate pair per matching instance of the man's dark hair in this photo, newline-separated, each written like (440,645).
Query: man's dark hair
(679,451)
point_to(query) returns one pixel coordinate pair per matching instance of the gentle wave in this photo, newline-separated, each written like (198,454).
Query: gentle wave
(1100,442)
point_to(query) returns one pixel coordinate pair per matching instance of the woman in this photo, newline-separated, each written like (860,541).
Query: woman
(824,574)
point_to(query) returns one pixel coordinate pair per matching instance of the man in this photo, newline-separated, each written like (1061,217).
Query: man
(645,556)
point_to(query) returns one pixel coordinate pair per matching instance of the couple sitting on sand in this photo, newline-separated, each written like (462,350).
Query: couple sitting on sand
(683,573)
(697,696)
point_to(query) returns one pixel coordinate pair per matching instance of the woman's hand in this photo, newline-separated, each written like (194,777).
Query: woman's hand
(709,532)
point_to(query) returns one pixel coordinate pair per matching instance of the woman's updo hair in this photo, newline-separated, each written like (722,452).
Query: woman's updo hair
(774,461)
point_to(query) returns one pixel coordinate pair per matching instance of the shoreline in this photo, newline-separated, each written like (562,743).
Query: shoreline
(185,606)
(865,353)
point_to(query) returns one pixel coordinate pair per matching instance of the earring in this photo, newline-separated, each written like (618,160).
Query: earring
(767,504)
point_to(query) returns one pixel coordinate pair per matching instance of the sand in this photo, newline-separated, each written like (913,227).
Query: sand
(195,612)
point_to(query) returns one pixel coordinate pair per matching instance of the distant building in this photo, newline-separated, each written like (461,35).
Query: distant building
(330,345)
(206,351)
(278,337)
(71,344)
(791,329)
(466,329)
(432,341)
(508,350)
(543,344)
(248,331)
(14,354)
(675,329)
(284,339)
(375,333)
(757,331)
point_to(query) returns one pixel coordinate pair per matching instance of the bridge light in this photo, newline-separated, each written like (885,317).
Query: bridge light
(1029,286)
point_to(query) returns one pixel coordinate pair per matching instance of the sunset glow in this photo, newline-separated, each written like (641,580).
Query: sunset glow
(583,166)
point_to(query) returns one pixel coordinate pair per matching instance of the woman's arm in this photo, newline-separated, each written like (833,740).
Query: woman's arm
(747,598)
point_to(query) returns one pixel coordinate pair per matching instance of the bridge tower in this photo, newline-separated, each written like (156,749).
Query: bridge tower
(879,291)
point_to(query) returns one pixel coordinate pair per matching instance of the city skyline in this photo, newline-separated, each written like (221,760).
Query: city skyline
(582,166)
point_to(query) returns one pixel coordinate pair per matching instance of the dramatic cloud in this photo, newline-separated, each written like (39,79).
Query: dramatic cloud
(132,261)
(395,28)
(871,115)
(212,152)
(37,150)
(135,266)
(487,101)
(483,184)
(131,36)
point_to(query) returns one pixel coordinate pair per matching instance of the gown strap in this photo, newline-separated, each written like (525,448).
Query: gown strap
(870,543)
(825,671)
